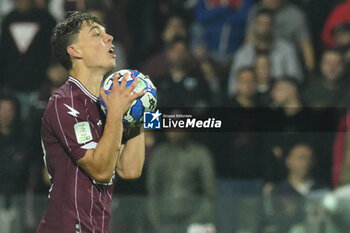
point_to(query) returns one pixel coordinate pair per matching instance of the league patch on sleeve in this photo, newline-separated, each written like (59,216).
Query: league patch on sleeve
(83,132)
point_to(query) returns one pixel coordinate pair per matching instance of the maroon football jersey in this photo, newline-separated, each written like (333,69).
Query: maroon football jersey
(73,123)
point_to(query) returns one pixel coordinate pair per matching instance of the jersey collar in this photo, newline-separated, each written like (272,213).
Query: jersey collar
(81,86)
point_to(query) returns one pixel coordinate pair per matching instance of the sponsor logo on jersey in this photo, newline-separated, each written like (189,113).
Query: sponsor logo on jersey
(83,132)
(72,111)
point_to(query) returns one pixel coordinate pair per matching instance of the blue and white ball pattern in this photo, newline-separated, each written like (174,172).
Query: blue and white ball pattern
(148,102)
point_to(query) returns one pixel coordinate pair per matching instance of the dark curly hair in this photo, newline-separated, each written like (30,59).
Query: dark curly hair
(64,34)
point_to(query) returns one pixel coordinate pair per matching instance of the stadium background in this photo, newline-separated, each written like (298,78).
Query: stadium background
(289,57)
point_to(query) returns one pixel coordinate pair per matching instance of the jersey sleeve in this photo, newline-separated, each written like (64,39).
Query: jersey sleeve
(69,122)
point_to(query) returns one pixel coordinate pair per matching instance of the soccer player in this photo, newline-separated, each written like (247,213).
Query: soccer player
(82,147)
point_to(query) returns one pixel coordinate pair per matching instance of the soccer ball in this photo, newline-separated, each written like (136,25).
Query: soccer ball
(148,102)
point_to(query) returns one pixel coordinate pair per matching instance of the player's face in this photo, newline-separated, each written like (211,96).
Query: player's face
(95,47)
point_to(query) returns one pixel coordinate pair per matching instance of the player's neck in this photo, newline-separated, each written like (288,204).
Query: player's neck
(91,79)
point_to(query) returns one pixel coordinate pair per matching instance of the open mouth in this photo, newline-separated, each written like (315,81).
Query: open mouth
(111,51)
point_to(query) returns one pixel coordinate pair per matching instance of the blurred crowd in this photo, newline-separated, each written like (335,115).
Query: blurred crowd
(291,57)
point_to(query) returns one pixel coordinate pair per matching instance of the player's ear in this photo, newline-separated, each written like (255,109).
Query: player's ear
(73,51)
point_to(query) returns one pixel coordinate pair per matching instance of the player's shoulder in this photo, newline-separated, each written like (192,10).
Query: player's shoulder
(67,98)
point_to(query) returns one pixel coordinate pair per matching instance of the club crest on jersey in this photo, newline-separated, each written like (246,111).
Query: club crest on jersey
(83,132)
(72,111)
(99,123)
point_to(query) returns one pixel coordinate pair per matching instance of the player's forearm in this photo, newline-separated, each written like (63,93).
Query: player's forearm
(130,163)
(106,153)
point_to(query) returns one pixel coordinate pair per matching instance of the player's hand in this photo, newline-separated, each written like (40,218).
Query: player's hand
(119,100)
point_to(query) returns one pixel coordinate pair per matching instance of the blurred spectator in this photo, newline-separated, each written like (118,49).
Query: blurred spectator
(290,25)
(316,17)
(330,89)
(185,77)
(289,196)
(285,95)
(211,75)
(138,187)
(246,89)
(299,162)
(56,8)
(165,9)
(340,14)
(341,35)
(42,4)
(158,65)
(81,5)
(138,25)
(171,7)
(147,28)
(38,178)
(56,76)
(175,27)
(282,55)
(264,80)
(290,123)
(5,7)
(130,220)
(180,184)
(240,159)
(218,27)
(12,152)
(25,50)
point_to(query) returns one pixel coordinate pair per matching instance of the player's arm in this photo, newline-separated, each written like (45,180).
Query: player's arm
(132,156)
(100,162)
